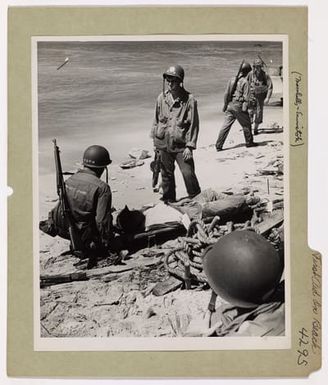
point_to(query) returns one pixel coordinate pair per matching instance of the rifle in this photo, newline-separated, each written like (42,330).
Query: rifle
(233,88)
(76,242)
(156,169)
(262,61)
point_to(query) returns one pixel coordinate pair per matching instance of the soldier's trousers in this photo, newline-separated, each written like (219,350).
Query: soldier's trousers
(232,114)
(187,169)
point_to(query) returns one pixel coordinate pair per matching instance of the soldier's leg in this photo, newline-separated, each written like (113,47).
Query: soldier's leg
(244,120)
(189,176)
(167,172)
(258,119)
(229,119)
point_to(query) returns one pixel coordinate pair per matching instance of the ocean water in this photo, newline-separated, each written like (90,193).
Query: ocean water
(106,93)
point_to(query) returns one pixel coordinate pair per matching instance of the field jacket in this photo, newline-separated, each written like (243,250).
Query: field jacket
(240,96)
(176,122)
(90,202)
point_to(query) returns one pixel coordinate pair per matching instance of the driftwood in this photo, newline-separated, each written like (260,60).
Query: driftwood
(269,222)
(55,279)
(170,284)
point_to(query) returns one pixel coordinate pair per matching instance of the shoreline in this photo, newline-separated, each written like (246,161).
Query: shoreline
(217,170)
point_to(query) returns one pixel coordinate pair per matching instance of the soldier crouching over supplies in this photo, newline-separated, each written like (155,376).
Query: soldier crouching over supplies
(236,107)
(174,132)
(83,213)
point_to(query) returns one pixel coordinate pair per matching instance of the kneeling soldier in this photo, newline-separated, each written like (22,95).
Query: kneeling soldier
(89,203)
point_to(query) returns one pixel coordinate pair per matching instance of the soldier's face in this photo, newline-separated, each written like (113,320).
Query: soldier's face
(257,69)
(173,83)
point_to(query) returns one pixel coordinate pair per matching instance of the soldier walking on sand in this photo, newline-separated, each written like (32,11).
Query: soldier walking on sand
(236,107)
(174,132)
(260,92)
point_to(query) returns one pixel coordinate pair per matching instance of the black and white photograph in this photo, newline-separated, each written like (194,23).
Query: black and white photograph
(161,192)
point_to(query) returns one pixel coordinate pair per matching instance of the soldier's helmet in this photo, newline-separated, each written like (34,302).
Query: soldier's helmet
(246,68)
(175,71)
(96,156)
(243,268)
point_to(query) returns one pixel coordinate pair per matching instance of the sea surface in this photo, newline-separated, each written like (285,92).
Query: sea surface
(105,94)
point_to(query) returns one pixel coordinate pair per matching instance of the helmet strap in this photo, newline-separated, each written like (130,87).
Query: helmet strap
(211,305)
(106,174)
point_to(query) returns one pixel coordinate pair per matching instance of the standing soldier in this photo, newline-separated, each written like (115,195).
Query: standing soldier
(236,107)
(174,132)
(89,202)
(260,92)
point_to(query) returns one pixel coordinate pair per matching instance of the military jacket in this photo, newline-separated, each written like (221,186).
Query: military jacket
(90,202)
(176,122)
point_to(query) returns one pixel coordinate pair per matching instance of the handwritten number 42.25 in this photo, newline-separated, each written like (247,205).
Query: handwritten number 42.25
(303,352)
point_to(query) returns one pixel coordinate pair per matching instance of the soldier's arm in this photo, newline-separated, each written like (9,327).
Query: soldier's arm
(246,95)
(192,133)
(270,87)
(155,121)
(227,96)
(104,217)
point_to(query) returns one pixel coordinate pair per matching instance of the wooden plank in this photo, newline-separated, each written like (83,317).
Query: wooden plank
(170,284)
(56,279)
(127,266)
(270,221)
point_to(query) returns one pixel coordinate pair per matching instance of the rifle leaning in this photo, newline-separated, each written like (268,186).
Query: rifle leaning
(76,242)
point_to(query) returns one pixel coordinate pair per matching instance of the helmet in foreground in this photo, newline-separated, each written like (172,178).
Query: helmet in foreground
(243,268)
(96,156)
(175,71)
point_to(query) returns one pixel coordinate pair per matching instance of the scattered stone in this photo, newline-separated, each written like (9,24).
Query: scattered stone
(131,164)
(150,312)
(137,153)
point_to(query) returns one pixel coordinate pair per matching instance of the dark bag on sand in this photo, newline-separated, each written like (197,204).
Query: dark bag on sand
(130,221)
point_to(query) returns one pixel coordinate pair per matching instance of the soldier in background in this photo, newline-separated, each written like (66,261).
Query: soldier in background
(236,107)
(260,93)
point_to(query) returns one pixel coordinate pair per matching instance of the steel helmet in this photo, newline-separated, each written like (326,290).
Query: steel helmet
(246,68)
(243,268)
(96,156)
(176,71)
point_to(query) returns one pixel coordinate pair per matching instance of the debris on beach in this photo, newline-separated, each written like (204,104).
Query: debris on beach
(274,167)
(131,163)
(157,286)
(138,153)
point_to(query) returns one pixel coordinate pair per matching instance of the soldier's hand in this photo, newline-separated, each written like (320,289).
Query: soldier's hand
(266,100)
(187,154)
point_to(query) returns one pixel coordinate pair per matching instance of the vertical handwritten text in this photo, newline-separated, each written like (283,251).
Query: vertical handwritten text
(298,139)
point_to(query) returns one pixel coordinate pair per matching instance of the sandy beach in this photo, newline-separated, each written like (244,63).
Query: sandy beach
(123,306)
